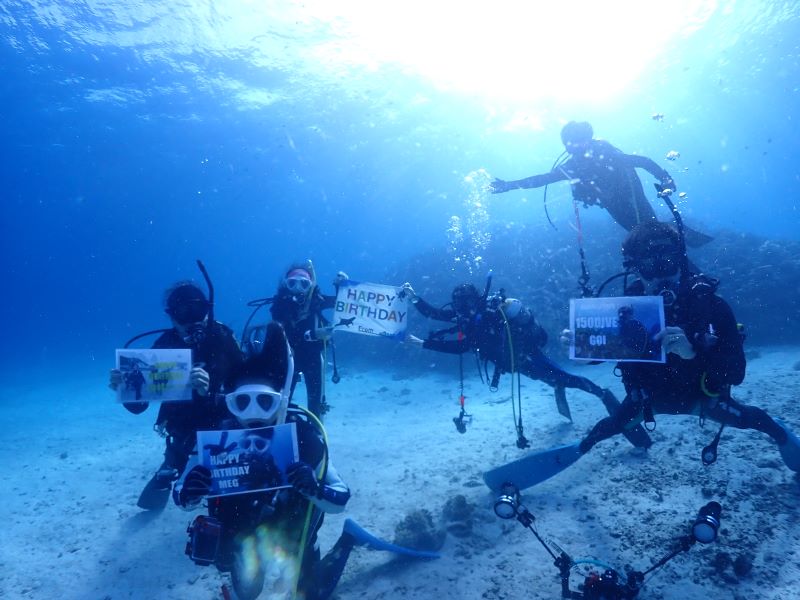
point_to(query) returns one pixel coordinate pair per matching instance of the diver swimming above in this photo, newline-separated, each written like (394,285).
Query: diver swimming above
(601,174)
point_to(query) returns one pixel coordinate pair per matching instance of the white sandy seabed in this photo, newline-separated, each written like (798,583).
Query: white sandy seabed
(73,464)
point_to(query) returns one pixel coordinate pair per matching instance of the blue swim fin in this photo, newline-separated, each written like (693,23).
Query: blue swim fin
(365,538)
(533,468)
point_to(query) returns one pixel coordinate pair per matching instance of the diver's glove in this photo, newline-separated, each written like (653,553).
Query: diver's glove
(196,485)
(199,380)
(498,186)
(340,279)
(406,291)
(303,479)
(674,341)
(668,183)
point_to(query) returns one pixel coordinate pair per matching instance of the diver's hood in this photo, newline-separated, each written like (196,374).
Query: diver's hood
(257,402)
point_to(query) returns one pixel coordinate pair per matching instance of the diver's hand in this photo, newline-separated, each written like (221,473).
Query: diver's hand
(303,479)
(565,337)
(199,380)
(115,379)
(414,340)
(340,279)
(323,334)
(406,291)
(674,341)
(196,485)
(498,186)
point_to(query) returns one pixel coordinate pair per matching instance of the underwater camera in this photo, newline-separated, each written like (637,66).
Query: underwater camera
(204,537)
(610,584)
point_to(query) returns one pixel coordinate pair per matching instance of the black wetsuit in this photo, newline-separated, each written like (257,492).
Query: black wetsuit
(486,333)
(699,386)
(219,354)
(299,318)
(605,176)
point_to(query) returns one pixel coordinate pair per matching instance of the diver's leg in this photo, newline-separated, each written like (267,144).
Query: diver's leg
(629,414)
(329,570)
(730,412)
(538,366)
(313,373)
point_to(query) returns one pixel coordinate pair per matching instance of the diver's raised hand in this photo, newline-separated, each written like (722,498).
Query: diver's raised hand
(498,186)
(340,279)
(406,291)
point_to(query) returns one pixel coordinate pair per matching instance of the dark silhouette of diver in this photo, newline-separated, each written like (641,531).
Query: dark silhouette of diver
(504,332)
(601,174)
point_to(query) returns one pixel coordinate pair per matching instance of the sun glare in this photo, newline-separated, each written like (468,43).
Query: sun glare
(523,50)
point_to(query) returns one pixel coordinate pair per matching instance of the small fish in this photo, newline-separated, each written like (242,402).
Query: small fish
(657,116)
(345,322)
(673,154)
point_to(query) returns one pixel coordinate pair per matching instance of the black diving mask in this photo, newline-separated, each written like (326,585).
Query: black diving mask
(189,311)
(658,265)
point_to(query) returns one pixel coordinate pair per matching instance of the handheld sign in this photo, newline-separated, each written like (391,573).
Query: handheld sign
(621,329)
(248,460)
(371,309)
(155,375)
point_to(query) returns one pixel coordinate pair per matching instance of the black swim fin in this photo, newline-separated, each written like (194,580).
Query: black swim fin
(561,402)
(155,494)
(695,239)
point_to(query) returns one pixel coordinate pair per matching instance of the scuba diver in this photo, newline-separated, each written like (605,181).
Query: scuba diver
(504,332)
(255,535)
(298,306)
(704,346)
(601,174)
(705,358)
(215,353)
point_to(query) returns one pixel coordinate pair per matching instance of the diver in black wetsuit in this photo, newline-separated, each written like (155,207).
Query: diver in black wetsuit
(704,346)
(298,306)
(502,332)
(603,175)
(215,353)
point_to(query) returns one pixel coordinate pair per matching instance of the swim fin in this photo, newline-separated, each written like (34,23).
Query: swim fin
(561,402)
(155,494)
(638,435)
(790,451)
(533,468)
(695,239)
(365,538)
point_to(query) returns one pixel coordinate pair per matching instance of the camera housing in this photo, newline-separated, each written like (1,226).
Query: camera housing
(204,540)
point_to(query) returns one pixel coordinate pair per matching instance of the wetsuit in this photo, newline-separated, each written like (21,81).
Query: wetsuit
(300,318)
(486,333)
(698,386)
(219,355)
(605,176)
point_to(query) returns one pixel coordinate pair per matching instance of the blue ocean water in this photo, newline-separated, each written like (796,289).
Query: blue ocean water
(140,136)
